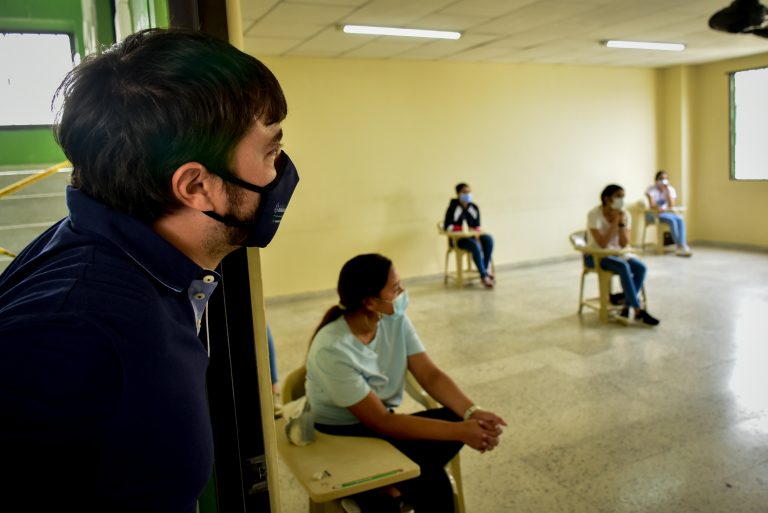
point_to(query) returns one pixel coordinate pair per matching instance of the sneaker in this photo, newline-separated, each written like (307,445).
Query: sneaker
(624,317)
(617,299)
(278,404)
(684,251)
(646,318)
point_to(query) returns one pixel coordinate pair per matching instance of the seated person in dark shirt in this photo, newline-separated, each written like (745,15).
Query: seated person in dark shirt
(461,210)
(174,139)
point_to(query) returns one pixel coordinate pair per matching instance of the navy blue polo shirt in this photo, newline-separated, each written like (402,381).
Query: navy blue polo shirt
(102,373)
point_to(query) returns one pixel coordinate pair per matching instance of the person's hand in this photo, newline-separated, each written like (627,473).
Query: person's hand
(480,435)
(490,419)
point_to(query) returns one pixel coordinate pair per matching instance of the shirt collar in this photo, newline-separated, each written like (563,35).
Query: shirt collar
(154,254)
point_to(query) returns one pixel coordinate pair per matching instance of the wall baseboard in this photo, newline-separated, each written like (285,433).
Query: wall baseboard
(428,278)
(752,248)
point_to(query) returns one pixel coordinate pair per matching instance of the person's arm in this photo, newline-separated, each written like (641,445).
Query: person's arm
(57,368)
(651,202)
(438,384)
(670,198)
(617,226)
(623,227)
(448,221)
(603,239)
(443,389)
(478,434)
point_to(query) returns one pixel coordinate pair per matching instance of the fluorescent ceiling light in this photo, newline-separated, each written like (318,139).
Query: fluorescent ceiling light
(645,45)
(402,32)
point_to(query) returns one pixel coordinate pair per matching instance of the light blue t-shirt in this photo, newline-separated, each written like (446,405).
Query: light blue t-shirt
(341,370)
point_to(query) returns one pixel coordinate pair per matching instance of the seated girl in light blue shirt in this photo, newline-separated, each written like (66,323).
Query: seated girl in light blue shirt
(356,370)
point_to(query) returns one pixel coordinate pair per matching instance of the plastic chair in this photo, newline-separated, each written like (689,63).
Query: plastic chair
(464,271)
(602,302)
(355,464)
(660,228)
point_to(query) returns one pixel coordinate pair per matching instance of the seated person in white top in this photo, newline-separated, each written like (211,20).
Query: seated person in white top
(356,370)
(608,226)
(662,197)
(461,210)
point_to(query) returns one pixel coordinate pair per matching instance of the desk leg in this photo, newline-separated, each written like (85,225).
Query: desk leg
(604,283)
(459,269)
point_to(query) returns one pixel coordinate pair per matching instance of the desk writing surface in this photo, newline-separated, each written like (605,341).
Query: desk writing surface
(355,464)
(463,234)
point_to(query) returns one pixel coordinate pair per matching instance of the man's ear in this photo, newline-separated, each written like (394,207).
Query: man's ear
(194,187)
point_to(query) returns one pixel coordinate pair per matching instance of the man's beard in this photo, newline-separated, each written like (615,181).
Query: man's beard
(221,242)
(237,235)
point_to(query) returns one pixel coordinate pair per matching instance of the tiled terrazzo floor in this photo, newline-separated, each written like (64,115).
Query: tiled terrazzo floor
(603,418)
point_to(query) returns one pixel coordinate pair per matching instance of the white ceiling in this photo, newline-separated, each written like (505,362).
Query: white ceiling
(519,31)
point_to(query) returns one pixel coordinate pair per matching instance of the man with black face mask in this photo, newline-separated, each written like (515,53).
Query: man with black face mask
(175,141)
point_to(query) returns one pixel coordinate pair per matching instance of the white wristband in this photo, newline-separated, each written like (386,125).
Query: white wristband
(470,411)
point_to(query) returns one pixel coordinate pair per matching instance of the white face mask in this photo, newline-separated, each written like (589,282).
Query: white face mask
(663,181)
(617,203)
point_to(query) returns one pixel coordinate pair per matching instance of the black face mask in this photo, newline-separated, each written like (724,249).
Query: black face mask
(274,200)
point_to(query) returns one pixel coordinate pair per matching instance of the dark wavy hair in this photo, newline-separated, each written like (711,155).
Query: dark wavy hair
(459,187)
(361,277)
(135,113)
(609,191)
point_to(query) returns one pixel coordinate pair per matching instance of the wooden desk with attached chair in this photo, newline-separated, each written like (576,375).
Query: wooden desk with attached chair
(333,467)
(464,271)
(578,240)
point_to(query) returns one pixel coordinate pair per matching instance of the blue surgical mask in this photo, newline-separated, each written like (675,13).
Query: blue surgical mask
(466,197)
(274,200)
(400,303)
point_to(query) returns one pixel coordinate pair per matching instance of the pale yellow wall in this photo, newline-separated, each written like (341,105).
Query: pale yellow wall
(380,144)
(674,115)
(727,211)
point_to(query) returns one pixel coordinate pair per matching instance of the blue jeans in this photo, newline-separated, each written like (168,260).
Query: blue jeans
(676,225)
(481,251)
(631,273)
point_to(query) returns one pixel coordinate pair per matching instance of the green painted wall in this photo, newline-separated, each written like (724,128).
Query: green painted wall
(36,146)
